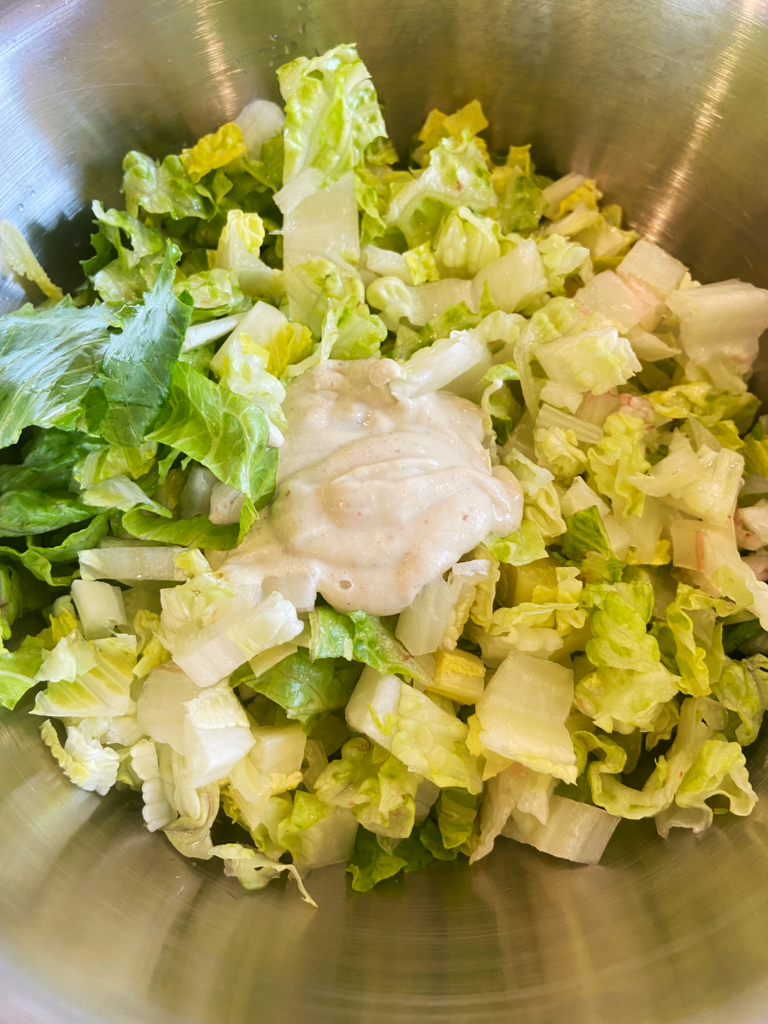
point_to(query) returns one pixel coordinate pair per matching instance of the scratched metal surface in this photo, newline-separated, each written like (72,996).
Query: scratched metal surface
(666,102)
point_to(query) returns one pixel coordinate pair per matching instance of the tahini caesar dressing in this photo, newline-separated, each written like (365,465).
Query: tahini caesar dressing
(376,496)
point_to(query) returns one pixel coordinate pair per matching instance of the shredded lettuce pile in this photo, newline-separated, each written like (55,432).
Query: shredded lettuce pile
(607,660)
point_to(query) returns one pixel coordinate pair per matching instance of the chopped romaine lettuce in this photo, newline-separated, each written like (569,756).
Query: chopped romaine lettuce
(524,688)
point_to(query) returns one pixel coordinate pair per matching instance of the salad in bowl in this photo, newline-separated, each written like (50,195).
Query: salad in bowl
(364,509)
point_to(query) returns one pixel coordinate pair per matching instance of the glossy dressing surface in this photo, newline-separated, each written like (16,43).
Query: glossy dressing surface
(666,103)
(376,496)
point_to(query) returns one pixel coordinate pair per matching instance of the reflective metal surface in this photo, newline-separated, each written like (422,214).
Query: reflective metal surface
(666,102)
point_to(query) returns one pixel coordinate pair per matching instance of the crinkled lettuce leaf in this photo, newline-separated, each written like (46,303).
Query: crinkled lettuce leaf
(306,690)
(332,115)
(374,784)
(223,431)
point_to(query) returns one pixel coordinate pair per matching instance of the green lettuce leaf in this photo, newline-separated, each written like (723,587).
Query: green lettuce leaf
(561,259)
(432,840)
(465,243)
(520,199)
(134,379)
(375,645)
(121,493)
(331,115)
(48,360)
(39,560)
(48,461)
(456,175)
(521,547)
(213,151)
(32,512)
(617,457)
(621,698)
(719,770)
(697,638)
(585,532)
(332,634)
(254,870)
(374,784)
(163,188)
(358,333)
(316,833)
(197,532)
(372,863)
(306,690)
(457,812)
(699,718)
(115,460)
(620,612)
(223,431)
(18,670)
(87,678)
(19,593)
(738,691)
(17,258)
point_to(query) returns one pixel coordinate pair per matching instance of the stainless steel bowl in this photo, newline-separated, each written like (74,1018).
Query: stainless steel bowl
(666,103)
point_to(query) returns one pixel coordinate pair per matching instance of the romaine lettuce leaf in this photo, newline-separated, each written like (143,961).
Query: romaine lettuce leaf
(456,175)
(375,646)
(191,834)
(699,718)
(441,126)
(118,492)
(223,431)
(541,503)
(624,699)
(196,532)
(617,457)
(424,736)
(316,833)
(241,366)
(574,831)
(737,689)
(17,258)
(591,361)
(520,200)
(87,678)
(212,151)
(19,593)
(254,870)
(331,115)
(561,259)
(18,670)
(331,634)
(163,188)
(704,483)
(372,863)
(134,378)
(521,716)
(306,690)
(83,759)
(115,460)
(48,361)
(374,785)
(620,612)
(39,560)
(33,512)
(457,812)
(585,532)
(49,460)
(557,450)
(465,243)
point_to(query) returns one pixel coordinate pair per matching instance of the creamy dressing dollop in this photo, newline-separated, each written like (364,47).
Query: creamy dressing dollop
(376,496)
